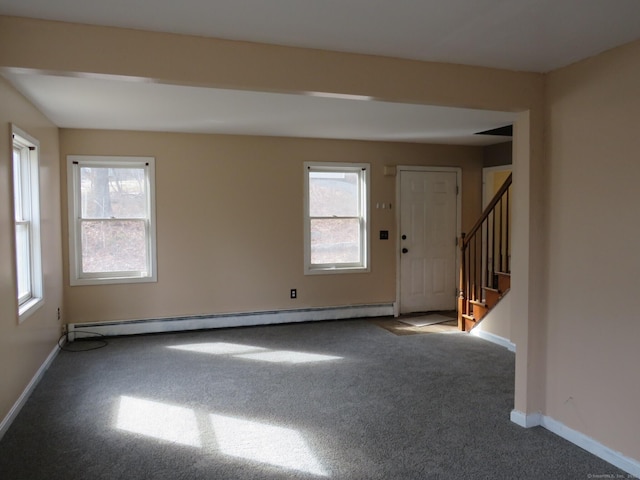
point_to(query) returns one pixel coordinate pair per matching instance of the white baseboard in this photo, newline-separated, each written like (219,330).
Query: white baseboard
(617,459)
(526,420)
(22,399)
(203,322)
(493,338)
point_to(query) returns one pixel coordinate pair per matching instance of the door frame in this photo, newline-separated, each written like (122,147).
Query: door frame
(414,168)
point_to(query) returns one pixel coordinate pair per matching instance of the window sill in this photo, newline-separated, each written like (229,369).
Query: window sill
(335,270)
(29,308)
(76,282)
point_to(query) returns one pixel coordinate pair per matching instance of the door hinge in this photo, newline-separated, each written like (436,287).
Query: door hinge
(457,190)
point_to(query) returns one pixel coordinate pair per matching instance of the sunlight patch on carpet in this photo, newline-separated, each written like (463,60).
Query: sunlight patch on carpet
(236,437)
(218,348)
(250,352)
(425,320)
(285,356)
(158,420)
(264,443)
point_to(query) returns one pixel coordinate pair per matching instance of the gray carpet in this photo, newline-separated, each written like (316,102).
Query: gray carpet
(338,400)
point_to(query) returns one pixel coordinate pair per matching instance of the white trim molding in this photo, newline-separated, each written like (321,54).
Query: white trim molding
(361,204)
(493,338)
(77,217)
(205,322)
(526,420)
(22,399)
(617,459)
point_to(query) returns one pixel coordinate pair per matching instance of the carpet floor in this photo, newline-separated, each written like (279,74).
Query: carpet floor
(335,400)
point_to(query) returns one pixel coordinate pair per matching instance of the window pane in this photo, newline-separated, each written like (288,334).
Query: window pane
(17,185)
(114,246)
(333,194)
(335,241)
(23,262)
(113,192)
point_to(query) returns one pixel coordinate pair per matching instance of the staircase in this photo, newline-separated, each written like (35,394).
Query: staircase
(485,272)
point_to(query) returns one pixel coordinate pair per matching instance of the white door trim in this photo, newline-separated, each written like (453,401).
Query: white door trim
(413,168)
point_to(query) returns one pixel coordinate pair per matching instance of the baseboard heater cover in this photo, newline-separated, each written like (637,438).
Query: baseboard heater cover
(224,320)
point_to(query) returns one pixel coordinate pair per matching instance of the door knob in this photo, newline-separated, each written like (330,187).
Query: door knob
(404,250)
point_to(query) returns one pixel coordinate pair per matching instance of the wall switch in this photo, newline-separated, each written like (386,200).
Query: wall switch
(294,293)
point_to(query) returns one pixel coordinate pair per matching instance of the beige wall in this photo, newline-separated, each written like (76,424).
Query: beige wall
(25,346)
(498,320)
(573,298)
(71,49)
(229,215)
(592,354)
(68,49)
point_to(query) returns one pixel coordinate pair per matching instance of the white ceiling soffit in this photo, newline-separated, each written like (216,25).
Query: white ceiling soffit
(99,103)
(529,35)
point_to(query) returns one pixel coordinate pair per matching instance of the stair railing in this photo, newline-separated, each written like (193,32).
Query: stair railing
(485,252)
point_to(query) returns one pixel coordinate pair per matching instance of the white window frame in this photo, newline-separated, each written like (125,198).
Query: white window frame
(76,275)
(26,199)
(363,171)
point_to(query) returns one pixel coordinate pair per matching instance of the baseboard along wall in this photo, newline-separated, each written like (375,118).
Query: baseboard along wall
(617,459)
(22,399)
(204,322)
(493,338)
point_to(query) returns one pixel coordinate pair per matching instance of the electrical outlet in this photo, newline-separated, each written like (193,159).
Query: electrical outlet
(294,293)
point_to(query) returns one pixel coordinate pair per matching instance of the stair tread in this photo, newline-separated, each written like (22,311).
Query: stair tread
(490,289)
(480,303)
(469,322)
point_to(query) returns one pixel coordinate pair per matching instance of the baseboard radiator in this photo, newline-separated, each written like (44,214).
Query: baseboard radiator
(225,320)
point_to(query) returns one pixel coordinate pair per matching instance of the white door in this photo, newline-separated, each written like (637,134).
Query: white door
(427,241)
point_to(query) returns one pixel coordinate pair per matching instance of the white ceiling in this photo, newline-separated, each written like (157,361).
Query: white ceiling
(529,35)
(101,103)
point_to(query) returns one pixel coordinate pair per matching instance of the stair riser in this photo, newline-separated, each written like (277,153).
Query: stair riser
(504,282)
(491,298)
(479,311)
(468,324)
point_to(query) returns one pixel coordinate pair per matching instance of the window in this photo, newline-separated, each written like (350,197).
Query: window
(336,217)
(26,204)
(111,219)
